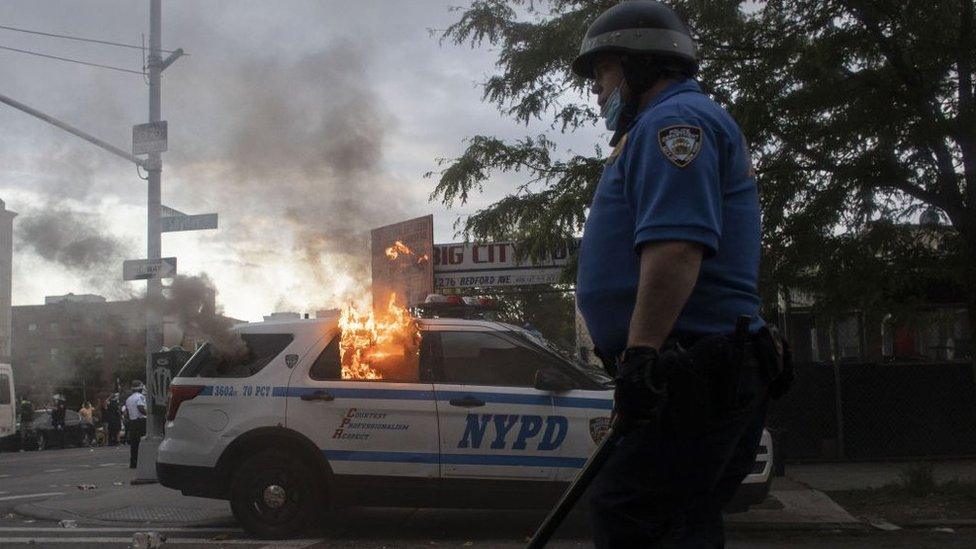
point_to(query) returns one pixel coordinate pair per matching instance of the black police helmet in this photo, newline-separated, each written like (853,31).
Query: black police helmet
(642,27)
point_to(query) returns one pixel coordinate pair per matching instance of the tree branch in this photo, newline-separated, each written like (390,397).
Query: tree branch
(967,107)
(949,186)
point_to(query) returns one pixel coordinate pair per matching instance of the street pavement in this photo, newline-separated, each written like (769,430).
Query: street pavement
(90,489)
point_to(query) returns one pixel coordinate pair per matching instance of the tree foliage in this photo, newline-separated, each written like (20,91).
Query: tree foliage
(860,113)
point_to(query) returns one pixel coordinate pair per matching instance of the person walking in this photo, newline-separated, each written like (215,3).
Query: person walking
(135,428)
(667,285)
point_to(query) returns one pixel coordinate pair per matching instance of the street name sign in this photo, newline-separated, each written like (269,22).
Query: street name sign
(188,222)
(144,269)
(150,138)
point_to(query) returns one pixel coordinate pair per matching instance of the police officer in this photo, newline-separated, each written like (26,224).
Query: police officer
(135,428)
(668,269)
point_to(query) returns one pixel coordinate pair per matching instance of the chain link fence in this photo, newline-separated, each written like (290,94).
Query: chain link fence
(853,411)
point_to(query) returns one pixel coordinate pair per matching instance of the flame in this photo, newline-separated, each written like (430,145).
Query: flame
(396,249)
(400,249)
(372,343)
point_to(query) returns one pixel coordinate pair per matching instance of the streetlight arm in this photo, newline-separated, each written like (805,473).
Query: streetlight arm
(169,60)
(73,130)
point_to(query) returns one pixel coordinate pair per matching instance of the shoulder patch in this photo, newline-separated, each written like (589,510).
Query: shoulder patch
(680,144)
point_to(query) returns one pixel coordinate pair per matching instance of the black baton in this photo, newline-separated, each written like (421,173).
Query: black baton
(582,481)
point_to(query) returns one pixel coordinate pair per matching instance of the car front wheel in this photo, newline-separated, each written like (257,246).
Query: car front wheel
(274,494)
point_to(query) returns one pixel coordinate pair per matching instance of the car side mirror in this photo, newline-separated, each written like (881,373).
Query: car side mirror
(551,379)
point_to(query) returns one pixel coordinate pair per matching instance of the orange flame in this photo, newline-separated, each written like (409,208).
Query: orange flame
(399,248)
(371,344)
(396,249)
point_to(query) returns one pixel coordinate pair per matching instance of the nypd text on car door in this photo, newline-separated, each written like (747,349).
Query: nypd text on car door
(494,423)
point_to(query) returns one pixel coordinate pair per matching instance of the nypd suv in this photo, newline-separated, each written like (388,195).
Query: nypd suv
(489,415)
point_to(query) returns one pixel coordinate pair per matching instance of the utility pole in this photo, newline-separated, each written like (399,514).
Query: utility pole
(154,292)
(153,164)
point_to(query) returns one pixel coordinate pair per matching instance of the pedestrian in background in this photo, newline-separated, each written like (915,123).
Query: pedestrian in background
(57,418)
(113,419)
(87,421)
(26,419)
(135,428)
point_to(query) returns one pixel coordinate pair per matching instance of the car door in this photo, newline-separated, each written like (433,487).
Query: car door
(587,409)
(8,404)
(382,428)
(493,422)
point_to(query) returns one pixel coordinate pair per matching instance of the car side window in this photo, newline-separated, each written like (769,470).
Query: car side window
(250,356)
(483,358)
(393,369)
(327,366)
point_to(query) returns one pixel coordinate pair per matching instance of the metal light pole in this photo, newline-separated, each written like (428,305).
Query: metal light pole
(153,164)
(154,291)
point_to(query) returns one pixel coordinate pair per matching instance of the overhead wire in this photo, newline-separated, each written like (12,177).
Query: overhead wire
(78,61)
(78,38)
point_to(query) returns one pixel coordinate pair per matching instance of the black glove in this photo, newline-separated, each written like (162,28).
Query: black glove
(640,386)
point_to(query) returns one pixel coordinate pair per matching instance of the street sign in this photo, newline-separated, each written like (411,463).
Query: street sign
(144,269)
(149,138)
(188,223)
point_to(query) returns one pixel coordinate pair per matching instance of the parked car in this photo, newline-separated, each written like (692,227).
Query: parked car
(41,435)
(485,416)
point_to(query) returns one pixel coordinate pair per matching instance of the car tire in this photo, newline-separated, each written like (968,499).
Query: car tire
(273,494)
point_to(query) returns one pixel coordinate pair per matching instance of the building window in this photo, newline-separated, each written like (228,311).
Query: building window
(54,327)
(32,327)
(54,355)
(99,351)
(123,351)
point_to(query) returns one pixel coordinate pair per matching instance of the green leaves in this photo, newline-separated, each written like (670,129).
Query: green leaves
(860,113)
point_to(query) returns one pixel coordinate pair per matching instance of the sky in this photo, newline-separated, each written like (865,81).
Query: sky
(303,124)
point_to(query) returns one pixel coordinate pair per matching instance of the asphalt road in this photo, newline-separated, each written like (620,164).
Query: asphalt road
(39,476)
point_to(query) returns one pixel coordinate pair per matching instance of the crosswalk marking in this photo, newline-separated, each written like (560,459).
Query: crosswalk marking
(122,529)
(27,496)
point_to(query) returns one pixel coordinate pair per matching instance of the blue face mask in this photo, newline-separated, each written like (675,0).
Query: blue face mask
(611,110)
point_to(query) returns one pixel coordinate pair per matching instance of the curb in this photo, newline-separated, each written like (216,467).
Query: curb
(944,523)
(795,526)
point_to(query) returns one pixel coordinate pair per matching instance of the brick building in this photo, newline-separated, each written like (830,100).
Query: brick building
(51,340)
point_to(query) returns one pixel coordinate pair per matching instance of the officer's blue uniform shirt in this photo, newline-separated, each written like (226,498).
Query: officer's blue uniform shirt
(684,173)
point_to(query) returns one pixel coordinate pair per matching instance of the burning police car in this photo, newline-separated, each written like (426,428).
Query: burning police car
(473,413)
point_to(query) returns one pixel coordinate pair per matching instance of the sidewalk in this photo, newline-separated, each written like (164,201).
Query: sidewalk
(831,477)
(792,505)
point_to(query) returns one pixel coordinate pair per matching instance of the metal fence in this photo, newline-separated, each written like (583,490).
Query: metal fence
(850,411)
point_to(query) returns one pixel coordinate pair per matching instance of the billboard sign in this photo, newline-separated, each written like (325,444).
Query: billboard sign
(493,264)
(401,262)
